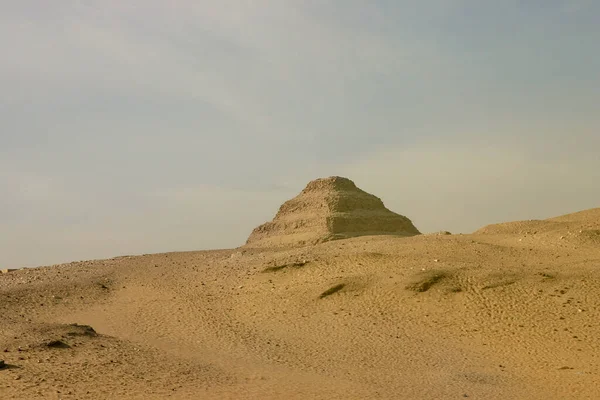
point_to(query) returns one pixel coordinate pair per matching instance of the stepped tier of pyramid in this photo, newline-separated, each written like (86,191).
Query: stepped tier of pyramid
(327,209)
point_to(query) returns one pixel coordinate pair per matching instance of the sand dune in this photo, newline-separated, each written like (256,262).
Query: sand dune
(509,312)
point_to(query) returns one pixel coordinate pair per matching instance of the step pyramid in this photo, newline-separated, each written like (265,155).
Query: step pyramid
(327,209)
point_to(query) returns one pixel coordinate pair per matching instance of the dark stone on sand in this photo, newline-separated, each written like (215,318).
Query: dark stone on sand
(57,344)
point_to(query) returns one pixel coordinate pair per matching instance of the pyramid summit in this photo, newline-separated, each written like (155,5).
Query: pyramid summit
(327,209)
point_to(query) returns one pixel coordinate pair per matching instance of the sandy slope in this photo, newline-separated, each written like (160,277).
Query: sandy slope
(510,312)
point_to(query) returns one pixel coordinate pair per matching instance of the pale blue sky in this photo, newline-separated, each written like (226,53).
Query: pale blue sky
(161,126)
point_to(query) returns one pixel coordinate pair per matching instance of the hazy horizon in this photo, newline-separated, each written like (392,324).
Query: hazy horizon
(130,130)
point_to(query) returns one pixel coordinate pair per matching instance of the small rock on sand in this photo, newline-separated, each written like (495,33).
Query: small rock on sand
(6,270)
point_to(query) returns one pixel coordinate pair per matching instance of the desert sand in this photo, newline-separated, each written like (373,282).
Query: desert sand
(321,303)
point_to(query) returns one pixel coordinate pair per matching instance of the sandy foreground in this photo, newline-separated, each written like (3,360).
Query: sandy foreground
(509,312)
